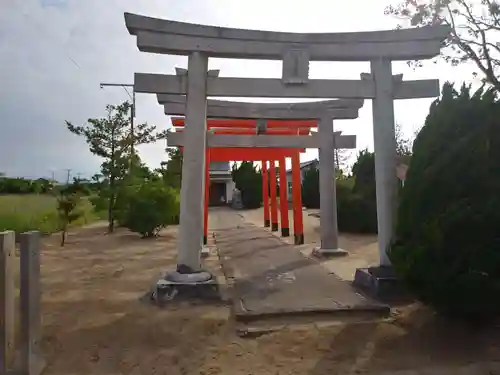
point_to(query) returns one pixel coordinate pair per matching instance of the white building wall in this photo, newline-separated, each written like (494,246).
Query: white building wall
(289,180)
(229,191)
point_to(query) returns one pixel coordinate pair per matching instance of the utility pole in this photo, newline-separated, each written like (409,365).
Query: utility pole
(132,113)
(68,175)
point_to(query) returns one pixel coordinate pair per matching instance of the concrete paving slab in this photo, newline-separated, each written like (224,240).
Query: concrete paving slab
(273,278)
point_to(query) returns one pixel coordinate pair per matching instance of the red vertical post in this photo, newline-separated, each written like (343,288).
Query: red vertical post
(298,225)
(285,225)
(207,198)
(272,187)
(265,193)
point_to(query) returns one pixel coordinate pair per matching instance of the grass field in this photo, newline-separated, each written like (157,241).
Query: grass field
(37,212)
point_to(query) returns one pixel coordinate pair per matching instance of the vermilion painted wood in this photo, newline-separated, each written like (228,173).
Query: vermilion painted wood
(253,154)
(273,194)
(252,131)
(250,154)
(298,225)
(240,123)
(269,175)
(285,225)
(265,192)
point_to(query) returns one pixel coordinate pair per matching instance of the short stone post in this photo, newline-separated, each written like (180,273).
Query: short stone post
(384,140)
(31,360)
(7,306)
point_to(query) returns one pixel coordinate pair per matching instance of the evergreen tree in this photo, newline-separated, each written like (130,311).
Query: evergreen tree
(111,138)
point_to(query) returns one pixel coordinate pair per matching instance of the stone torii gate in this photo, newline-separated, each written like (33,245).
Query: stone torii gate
(296,50)
(264,113)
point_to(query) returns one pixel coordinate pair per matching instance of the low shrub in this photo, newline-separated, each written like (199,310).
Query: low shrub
(355,213)
(148,207)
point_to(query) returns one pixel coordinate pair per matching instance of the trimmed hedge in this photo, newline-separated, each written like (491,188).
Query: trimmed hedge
(447,245)
(356,212)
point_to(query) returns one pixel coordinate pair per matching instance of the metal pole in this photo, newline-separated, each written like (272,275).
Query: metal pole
(132,115)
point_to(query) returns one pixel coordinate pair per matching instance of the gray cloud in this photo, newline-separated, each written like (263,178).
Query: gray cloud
(54,54)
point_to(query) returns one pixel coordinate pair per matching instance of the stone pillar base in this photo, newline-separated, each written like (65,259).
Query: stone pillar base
(285,232)
(267,223)
(274,227)
(176,285)
(380,282)
(320,252)
(298,239)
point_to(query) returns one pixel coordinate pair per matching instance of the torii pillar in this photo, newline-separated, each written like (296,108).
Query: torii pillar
(327,187)
(193,168)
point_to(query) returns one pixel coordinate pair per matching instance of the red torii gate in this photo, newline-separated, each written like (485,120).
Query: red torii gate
(273,127)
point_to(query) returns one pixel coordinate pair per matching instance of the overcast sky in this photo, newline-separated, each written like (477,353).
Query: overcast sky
(54,54)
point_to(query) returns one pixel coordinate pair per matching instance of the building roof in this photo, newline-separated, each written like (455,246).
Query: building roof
(304,164)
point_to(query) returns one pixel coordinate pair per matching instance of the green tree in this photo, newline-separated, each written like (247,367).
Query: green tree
(363,172)
(68,208)
(248,181)
(111,139)
(447,243)
(171,170)
(403,145)
(474,27)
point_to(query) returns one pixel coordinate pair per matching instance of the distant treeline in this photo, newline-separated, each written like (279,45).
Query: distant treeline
(17,185)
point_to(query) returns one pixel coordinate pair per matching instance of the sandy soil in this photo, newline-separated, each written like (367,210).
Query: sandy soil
(94,323)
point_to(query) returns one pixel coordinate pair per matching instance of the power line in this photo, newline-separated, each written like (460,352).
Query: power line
(40,29)
(132,113)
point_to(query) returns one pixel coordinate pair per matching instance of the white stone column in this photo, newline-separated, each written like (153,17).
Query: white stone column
(385,154)
(193,166)
(327,189)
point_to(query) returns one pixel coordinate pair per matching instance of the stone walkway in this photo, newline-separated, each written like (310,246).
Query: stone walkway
(271,278)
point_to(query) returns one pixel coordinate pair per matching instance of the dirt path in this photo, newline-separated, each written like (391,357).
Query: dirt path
(93,323)
(363,249)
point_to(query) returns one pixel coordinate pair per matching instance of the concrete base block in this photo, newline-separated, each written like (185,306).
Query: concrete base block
(298,239)
(379,282)
(320,252)
(205,251)
(185,286)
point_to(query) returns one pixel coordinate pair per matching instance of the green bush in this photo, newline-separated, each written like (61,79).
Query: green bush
(310,188)
(447,245)
(356,203)
(355,213)
(356,197)
(148,207)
